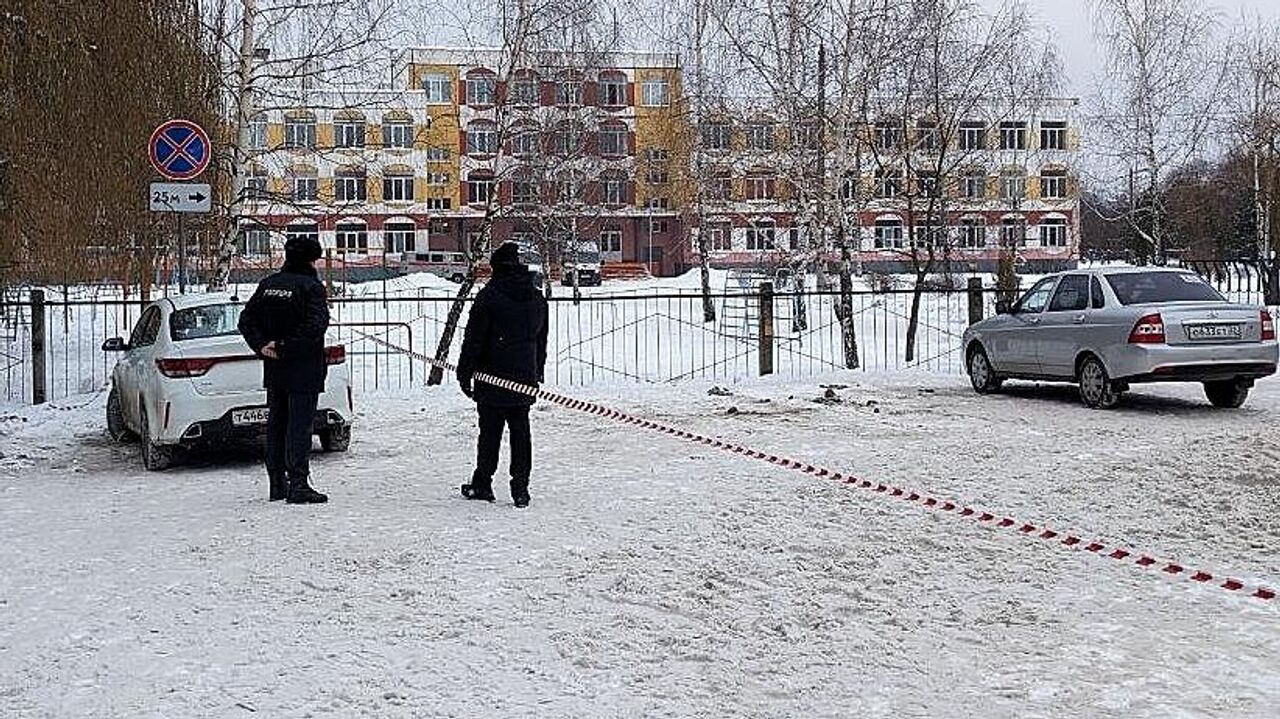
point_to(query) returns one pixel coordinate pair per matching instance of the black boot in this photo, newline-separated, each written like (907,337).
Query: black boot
(300,492)
(279,486)
(520,492)
(477,491)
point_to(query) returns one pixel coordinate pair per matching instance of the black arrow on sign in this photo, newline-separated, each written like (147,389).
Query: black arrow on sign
(198,197)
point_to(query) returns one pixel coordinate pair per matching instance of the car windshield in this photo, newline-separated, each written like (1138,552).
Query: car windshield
(207,321)
(1140,288)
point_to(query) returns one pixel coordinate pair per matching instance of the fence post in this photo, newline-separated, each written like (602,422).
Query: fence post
(975,300)
(766,328)
(39,393)
(1271,283)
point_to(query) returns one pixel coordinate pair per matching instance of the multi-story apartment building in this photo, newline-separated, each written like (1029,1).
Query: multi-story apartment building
(992,182)
(604,148)
(545,152)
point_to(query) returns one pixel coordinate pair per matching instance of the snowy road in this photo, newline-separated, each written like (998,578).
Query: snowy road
(651,577)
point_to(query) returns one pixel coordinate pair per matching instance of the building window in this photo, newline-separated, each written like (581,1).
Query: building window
(761,237)
(888,135)
(888,184)
(656,227)
(888,234)
(569,92)
(719,187)
(439,154)
(760,136)
(973,184)
(806,136)
(1013,232)
(526,141)
(349,133)
(439,203)
(353,239)
(397,187)
(759,187)
(300,133)
(480,189)
(480,90)
(656,154)
(1053,184)
(928,185)
(255,184)
(659,203)
(655,93)
(568,140)
(613,141)
(1013,185)
(482,138)
(1053,135)
(715,135)
(927,137)
(524,91)
(973,233)
(350,186)
(657,175)
(1013,135)
(439,89)
(398,238)
(615,190)
(613,90)
(719,238)
(437,179)
(254,241)
(973,135)
(1053,232)
(849,186)
(305,188)
(524,191)
(397,133)
(258,132)
(302,232)
(611,241)
(567,189)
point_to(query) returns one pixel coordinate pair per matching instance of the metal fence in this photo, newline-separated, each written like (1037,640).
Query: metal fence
(619,337)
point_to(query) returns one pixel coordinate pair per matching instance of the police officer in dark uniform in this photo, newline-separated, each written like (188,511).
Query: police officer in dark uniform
(506,337)
(284,323)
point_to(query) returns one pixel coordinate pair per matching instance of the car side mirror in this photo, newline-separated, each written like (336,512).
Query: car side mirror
(115,344)
(1003,308)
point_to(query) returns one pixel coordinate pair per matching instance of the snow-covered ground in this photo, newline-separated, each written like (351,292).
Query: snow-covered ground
(652,577)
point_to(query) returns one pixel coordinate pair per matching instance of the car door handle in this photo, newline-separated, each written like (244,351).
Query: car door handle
(1078,319)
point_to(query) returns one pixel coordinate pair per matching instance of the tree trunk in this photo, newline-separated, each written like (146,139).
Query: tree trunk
(913,319)
(708,305)
(239,150)
(844,309)
(451,327)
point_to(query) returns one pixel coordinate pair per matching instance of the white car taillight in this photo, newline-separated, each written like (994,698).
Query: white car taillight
(336,354)
(1268,327)
(178,368)
(1148,331)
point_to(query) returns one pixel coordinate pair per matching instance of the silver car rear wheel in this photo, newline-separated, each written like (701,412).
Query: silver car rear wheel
(1096,389)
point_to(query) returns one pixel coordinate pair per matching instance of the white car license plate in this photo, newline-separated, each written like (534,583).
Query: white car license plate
(241,417)
(1215,332)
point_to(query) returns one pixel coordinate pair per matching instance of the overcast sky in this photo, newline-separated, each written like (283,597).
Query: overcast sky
(1070,26)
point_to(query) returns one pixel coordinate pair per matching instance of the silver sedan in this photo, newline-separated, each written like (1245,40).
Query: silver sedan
(1106,329)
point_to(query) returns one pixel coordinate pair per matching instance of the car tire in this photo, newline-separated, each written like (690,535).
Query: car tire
(117,428)
(155,457)
(336,439)
(1227,394)
(981,374)
(1097,391)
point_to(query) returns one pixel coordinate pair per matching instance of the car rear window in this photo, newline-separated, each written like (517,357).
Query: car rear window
(1140,288)
(207,321)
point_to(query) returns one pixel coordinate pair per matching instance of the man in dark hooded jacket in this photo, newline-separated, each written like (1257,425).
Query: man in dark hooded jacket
(285,323)
(506,337)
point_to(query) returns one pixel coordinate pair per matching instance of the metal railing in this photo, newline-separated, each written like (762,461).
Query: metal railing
(619,337)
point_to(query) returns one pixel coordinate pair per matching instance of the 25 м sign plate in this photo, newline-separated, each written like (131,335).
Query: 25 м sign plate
(180,197)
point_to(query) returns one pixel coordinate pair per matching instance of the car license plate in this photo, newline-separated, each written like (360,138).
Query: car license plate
(1215,332)
(241,417)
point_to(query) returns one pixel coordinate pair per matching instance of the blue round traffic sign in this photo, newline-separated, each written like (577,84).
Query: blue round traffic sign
(179,150)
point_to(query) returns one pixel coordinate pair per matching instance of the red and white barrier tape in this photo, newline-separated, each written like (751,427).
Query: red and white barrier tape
(1026,529)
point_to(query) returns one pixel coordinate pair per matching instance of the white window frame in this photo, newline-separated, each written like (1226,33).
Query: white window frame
(611,86)
(1053,135)
(439,89)
(400,238)
(480,191)
(973,184)
(344,186)
(888,234)
(254,241)
(475,133)
(611,241)
(349,134)
(973,135)
(721,131)
(1013,135)
(1008,228)
(439,154)
(972,233)
(305,188)
(615,190)
(397,134)
(436,178)
(655,92)
(613,141)
(300,133)
(398,188)
(569,92)
(255,184)
(352,239)
(525,92)
(888,184)
(439,203)
(482,91)
(1053,185)
(760,136)
(1054,232)
(762,238)
(757,188)
(258,131)
(1013,186)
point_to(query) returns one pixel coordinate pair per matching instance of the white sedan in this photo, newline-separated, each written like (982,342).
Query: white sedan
(187,378)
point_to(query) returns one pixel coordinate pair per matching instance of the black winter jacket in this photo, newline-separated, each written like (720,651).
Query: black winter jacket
(506,337)
(290,309)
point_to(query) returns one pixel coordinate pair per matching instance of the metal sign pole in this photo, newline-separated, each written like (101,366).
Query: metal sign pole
(182,259)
